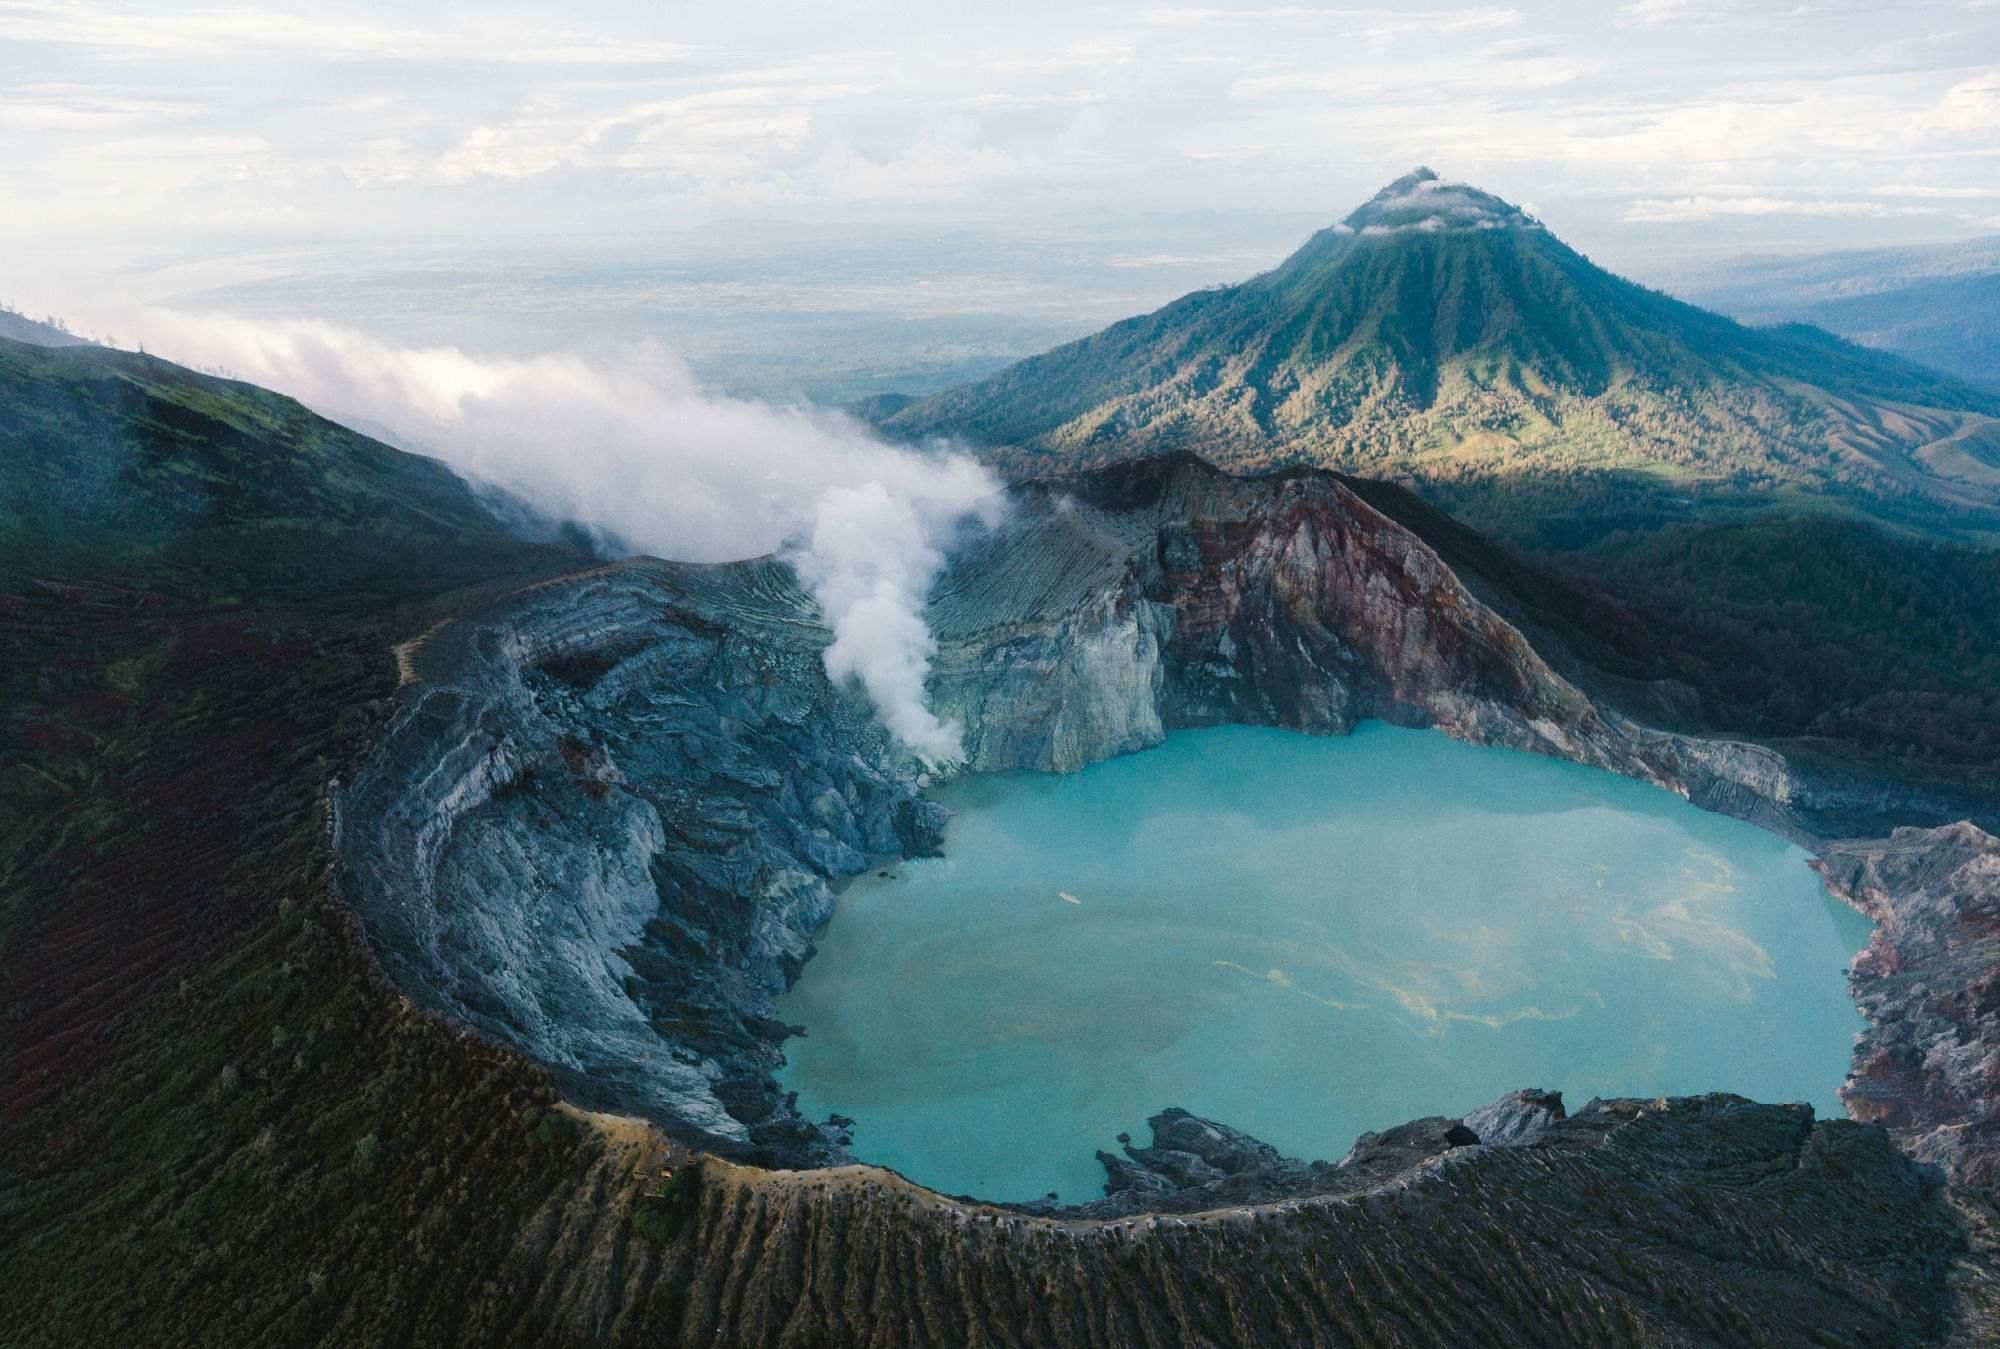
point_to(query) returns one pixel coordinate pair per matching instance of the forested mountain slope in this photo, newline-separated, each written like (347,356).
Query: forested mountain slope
(1444,336)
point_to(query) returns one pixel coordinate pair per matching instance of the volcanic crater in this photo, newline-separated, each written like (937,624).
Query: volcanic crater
(611,811)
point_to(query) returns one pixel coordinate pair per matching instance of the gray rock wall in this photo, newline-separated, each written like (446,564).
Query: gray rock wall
(601,828)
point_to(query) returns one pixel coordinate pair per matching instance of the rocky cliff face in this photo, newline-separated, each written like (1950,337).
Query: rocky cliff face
(1928,1066)
(1111,607)
(603,825)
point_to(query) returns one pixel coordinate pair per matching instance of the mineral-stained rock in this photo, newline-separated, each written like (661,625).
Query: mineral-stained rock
(1111,607)
(1928,1066)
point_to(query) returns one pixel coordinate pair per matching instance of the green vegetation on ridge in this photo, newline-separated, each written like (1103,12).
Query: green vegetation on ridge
(118,459)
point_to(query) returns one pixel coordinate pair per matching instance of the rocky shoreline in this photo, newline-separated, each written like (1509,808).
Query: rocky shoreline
(1927,1068)
(606,818)
(1195,1164)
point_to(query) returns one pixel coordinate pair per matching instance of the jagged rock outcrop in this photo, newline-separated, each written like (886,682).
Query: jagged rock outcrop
(1518,1117)
(1196,1164)
(1928,1066)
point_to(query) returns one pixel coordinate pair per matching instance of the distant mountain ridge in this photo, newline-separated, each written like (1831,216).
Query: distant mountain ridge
(18,327)
(1443,335)
(1937,304)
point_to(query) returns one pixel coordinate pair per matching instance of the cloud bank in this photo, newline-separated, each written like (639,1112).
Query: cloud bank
(635,446)
(152,125)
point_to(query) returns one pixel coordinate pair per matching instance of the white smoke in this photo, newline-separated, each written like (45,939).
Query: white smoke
(634,445)
(872,558)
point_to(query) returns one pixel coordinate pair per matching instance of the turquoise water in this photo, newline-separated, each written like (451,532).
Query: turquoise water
(1306,938)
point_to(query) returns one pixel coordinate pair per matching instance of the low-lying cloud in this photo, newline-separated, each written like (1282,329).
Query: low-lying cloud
(1423,203)
(634,445)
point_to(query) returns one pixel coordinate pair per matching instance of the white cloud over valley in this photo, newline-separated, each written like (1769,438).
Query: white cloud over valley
(634,445)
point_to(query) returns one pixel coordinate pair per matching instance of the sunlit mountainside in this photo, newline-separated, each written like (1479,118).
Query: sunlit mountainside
(1443,335)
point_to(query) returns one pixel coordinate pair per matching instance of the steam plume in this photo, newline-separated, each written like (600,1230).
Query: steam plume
(872,559)
(634,445)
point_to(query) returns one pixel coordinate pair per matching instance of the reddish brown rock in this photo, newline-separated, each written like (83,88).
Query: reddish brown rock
(1928,1066)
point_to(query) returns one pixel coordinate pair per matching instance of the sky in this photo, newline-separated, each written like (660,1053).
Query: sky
(177,123)
(985,179)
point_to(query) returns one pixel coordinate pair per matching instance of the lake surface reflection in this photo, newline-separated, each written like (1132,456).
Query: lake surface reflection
(1306,938)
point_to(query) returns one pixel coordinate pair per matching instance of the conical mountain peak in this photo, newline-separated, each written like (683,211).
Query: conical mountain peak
(1466,347)
(1423,202)
(1411,181)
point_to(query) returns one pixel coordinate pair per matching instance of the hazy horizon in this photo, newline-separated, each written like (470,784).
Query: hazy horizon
(812,204)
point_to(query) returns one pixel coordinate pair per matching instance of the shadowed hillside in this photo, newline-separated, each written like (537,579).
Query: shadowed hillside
(114,458)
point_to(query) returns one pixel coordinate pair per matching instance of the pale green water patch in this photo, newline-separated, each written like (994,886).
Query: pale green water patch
(1306,938)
